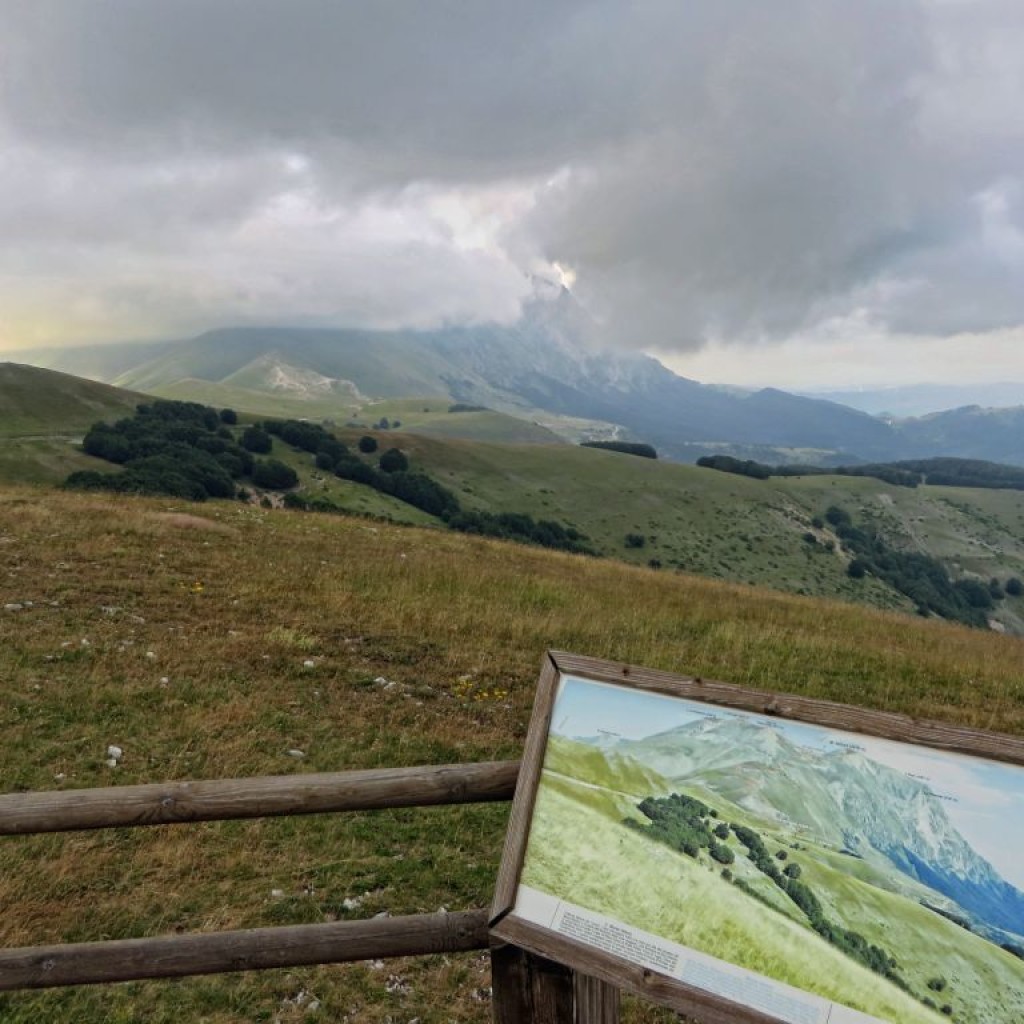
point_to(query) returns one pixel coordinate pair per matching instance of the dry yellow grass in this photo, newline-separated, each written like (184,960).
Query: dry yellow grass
(187,646)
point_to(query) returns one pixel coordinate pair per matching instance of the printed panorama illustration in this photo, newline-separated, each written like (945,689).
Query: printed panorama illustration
(881,876)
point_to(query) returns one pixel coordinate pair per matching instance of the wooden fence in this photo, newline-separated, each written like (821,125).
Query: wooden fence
(526,989)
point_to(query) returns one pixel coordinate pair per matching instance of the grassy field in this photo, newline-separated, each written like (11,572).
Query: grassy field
(581,805)
(180,633)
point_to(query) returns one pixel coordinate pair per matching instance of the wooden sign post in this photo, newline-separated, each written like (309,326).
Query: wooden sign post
(746,857)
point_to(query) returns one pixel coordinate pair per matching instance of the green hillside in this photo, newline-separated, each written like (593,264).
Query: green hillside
(182,633)
(443,419)
(732,527)
(646,512)
(34,401)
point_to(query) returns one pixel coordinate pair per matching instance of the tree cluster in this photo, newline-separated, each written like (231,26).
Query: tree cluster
(852,943)
(182,449)
(916,575)
(394,477)
(644,451)
(947,472)
(686,825)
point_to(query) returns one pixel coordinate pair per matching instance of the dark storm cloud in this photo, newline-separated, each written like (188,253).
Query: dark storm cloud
(707,169)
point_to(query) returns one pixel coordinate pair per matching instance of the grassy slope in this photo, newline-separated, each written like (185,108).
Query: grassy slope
(259,404)
(231,601)
(34,401)
(732,527)
(430,416)
(701,521)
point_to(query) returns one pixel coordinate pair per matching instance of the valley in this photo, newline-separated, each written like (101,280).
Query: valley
(663,515)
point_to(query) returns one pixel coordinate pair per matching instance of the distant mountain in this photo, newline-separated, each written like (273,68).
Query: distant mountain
(963,433)
(543,362)
(924,399)
(841,796)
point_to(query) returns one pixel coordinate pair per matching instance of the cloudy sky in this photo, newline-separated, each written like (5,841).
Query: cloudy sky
(803,192)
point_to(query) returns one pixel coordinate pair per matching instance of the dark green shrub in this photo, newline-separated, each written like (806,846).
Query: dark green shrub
(635,540)
(838,516)
(367,444)
(394,460)
(228,416)
(1014,587)
(274,475)
(645,451)
(350,468)
(256,439)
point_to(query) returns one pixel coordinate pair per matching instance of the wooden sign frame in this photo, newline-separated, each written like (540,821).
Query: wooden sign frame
(508,926)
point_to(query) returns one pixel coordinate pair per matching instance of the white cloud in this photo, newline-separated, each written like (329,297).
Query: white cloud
(707,173)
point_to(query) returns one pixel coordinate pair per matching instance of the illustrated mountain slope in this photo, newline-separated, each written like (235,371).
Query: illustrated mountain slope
(840,797)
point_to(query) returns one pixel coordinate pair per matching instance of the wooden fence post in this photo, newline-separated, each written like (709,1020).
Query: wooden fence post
(530,989)
(597,1002)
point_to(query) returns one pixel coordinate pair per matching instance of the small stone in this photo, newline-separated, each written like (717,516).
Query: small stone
(114,752)
(276,894)
(151,655)
(13,606)
(111,762)
(296,753)
(60,777)
(309,663)
(85,642)
(383,913)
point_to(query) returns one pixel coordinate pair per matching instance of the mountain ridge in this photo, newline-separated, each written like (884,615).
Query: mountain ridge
(547,361)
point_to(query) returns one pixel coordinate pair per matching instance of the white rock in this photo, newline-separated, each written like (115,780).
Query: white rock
(151,655)
(111,762)
(296,753)
(276,893)
(114,752)
(309,663)
(13,606)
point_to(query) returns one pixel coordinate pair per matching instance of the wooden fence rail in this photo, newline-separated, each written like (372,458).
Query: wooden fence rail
(527,989)
(176,956)
(270,796)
